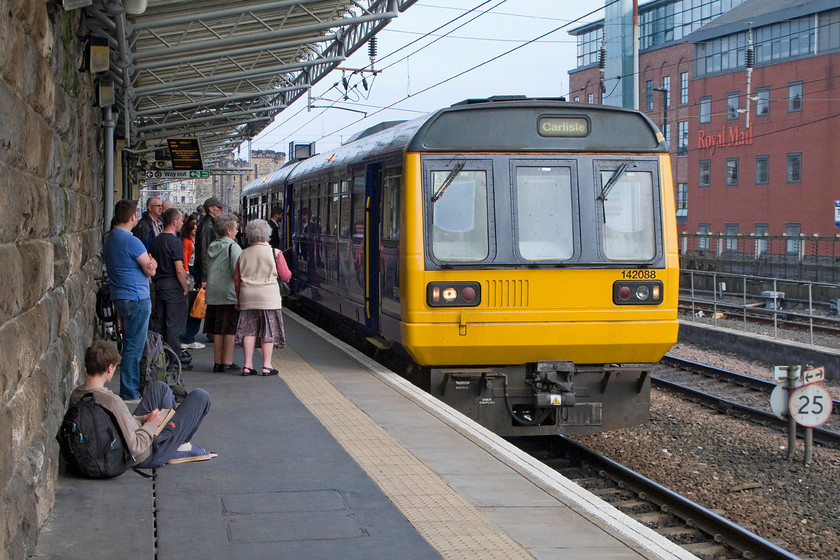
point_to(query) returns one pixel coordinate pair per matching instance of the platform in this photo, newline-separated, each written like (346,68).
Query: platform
(338,458)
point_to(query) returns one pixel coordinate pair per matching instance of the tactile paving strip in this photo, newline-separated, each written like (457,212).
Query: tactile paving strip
(455,527)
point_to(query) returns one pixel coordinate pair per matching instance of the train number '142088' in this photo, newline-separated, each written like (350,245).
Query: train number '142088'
(639,274)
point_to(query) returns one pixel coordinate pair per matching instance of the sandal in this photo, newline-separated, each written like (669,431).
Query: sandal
(269,371)
(248,371)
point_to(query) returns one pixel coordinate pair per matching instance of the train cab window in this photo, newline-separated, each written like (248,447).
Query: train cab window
(543,200)
(628,229)
(459,215)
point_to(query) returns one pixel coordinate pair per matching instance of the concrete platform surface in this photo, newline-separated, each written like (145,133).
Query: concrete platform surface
(338,458)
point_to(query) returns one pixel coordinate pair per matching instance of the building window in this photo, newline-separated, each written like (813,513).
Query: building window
(794,168)
(794,97)
(732,172)
(703,242)
(829,26)
(683,88)
(731,243)
(682,130)
(705,109)
(732,105)
(682,196)
(762,104)
(792,246)
(577,99)
(705,176)
(649,95)
(666,85)
(590,98)
(762,170)
(667,133)
(760,230)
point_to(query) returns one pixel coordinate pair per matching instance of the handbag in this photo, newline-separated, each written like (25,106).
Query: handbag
(285,289)
(199,307)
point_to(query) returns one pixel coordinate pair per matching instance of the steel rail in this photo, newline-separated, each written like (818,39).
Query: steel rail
(741,379)
(723,531)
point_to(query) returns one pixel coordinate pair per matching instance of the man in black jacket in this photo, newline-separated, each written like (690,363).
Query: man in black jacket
(274,222)
(204,236)
(150,225)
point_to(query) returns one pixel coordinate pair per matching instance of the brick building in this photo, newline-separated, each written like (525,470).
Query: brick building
(757,164)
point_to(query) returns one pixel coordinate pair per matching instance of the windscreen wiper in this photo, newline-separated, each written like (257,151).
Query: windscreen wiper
(448,181)
(613,180)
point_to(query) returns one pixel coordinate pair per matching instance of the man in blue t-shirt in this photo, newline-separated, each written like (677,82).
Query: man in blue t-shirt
(129,268)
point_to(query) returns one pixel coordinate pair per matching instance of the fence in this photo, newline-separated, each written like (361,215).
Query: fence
(794,309)
(812,259)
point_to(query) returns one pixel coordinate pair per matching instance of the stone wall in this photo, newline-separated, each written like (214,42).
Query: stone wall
(50,246)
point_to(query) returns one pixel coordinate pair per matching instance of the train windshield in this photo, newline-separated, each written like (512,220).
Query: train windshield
(544,212)
(628,229)
(459,217)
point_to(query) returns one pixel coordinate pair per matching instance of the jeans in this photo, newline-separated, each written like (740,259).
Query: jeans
(181,428)
(135,318)
(172,314)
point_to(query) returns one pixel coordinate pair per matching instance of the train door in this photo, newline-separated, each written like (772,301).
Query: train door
(373,190)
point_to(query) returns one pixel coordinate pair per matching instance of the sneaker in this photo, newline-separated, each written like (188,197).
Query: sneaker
(195,345)
(193,454)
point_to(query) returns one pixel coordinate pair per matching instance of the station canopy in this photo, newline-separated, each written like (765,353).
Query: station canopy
(220,70)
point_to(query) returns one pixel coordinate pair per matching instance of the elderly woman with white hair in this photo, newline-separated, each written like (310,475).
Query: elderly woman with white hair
(258,294)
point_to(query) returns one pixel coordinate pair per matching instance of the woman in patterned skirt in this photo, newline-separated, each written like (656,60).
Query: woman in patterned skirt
(258,293)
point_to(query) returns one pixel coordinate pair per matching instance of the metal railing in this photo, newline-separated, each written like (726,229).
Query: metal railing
(752,303)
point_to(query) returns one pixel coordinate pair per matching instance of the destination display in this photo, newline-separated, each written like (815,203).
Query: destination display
(563,126)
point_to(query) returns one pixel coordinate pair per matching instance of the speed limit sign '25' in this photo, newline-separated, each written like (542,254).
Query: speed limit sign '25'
(810,405)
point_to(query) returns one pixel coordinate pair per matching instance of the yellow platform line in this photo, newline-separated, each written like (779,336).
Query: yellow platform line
(454,526)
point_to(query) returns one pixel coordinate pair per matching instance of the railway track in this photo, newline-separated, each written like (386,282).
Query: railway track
(701,531)
(821,436)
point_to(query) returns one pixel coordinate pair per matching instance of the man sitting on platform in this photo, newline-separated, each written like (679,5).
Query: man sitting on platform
(147,449)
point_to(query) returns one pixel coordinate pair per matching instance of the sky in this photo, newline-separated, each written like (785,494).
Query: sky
(417,74)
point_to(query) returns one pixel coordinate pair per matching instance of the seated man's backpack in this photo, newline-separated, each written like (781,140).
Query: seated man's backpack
(91,441)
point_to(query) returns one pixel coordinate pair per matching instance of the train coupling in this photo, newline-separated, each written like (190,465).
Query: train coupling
(552,384)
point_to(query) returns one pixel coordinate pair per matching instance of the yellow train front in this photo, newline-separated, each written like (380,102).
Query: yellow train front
(522,252)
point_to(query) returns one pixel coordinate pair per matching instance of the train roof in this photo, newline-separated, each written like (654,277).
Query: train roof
(498,124)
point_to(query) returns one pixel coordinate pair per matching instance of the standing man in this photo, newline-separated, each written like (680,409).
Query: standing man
(171,303)
(205,235)
(274,222)
(130,268)
(150,224)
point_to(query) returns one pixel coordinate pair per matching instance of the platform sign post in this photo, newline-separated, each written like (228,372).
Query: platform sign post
(780,399)
(810,406)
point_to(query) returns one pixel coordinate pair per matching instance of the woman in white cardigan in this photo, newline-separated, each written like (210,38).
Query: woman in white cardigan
(258,295)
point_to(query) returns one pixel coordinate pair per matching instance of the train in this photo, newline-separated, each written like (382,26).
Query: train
(520,253)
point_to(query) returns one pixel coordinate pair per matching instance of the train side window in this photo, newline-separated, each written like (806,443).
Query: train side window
(628,230)
(335,198)
(544,223)
(391,208)
(459,216)
(321,218)
(344,221)
(358,200)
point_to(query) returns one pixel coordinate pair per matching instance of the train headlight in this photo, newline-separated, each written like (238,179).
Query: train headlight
(637,292)
(453,294)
